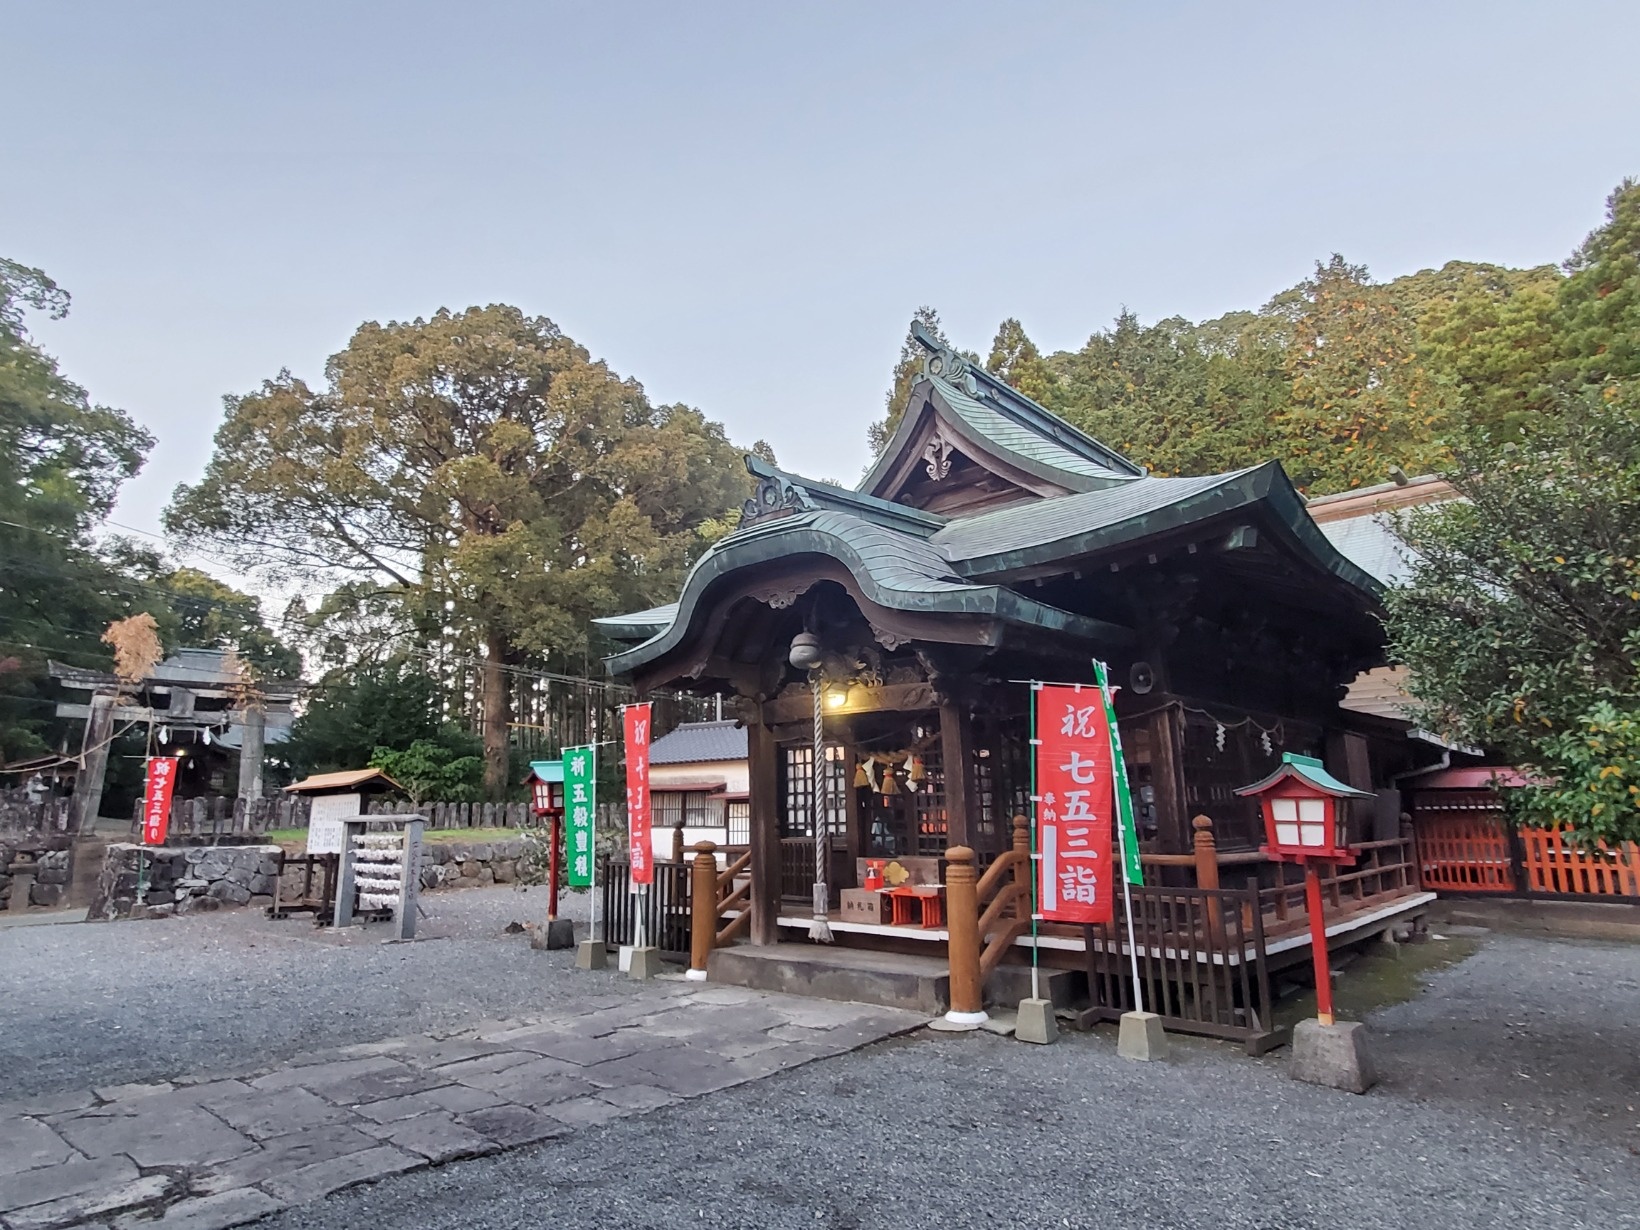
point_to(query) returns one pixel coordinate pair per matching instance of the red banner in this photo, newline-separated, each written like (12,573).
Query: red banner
(636,720)
(156,800)
(1075,805)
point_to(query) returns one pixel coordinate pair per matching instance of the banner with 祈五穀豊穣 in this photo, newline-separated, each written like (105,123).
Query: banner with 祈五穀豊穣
(580,798)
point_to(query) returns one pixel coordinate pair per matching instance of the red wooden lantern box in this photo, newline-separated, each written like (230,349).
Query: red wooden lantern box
(1302,816)
(546,783)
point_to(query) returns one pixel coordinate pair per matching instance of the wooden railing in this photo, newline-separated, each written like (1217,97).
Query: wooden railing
(1201,959)
(712,894)
(1465,854)
(1473,849)
(1003,897)
(1555,865)
(1380,868)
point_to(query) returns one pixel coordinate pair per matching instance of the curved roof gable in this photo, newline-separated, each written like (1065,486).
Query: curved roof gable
(958,406)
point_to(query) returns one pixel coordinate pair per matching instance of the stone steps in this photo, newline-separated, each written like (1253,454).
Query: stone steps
(919,984)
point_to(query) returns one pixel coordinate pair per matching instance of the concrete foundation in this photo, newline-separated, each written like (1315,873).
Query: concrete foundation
(592,954)
(1009,984)
(1037,1022)
(559,933)
(1140,1036)
(644,964)
(1332,1055)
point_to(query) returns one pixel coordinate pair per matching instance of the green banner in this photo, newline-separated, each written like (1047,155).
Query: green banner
(1132,869)
(580,800)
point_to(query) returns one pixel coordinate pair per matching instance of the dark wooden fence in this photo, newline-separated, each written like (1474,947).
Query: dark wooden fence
(665,906)
(1203,964)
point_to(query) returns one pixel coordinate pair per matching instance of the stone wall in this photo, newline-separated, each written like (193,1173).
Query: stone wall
(44,861)
(459,864)
(185,879)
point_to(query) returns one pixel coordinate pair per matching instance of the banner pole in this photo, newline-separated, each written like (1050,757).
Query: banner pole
(1036,890)
(1124,822)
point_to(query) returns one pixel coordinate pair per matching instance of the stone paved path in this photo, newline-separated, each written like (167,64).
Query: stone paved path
(217,1150)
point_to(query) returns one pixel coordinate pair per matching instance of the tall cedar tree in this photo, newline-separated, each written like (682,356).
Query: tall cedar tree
(486,465)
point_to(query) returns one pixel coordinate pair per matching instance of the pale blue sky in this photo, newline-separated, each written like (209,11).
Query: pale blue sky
(741,204)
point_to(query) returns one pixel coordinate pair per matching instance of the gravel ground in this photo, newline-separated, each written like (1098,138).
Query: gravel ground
(1508,1098)
(107,1003)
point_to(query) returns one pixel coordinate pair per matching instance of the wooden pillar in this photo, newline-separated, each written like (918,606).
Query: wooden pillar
(957,750)
(764,838)
(1206,851)
(856,840)
(1207,876)
(1167,778)
(962,919)
(703,909)
(1349,758)
(88,785)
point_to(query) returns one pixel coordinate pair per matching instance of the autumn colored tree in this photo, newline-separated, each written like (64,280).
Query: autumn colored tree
(1015,358)
(484,465)
(1361,400)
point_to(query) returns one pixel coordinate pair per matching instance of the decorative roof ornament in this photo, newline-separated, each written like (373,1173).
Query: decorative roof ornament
(937,453)
(944,363)
(776,496)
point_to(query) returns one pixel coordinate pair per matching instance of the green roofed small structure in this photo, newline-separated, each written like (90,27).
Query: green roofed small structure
(1311,772)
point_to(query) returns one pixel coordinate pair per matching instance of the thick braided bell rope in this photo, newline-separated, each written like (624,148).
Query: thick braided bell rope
(820,928)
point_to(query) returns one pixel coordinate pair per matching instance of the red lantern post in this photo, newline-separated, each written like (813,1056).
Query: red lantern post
(1304,824)
(546,782)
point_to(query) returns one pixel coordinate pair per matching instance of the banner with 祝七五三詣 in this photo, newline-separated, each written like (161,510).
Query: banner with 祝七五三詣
(156,799)
(636,722)
(1075,804)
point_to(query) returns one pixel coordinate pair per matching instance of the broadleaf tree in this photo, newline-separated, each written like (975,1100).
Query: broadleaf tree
(484,464)
(1520,621)
(62,462)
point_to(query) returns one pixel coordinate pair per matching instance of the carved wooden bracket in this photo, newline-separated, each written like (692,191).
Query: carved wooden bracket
(780,594)
(888,640)
(937,453)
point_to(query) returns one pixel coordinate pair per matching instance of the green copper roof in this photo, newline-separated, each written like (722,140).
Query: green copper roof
(1076,526)
(638,625)
(1040,441)
(868,507)
(893,570)
(547,770)
(1311,772)
(1007,423)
